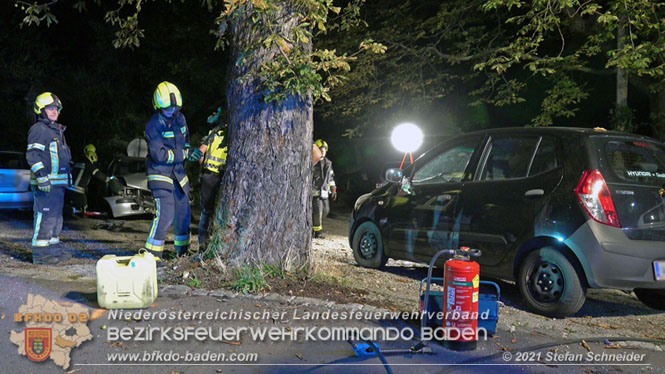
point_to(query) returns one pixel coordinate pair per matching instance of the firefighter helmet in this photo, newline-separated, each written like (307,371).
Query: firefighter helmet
(321,144)
(90,153)
(166,95)
(47,99)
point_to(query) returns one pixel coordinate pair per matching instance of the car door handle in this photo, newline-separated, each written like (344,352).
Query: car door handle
(534,193)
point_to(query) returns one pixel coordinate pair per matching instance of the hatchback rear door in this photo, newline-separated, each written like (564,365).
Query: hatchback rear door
(634,169)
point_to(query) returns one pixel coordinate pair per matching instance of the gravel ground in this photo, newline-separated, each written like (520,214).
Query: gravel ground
(607,313)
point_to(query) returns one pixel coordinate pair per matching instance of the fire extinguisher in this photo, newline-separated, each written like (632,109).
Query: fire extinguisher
(460,299)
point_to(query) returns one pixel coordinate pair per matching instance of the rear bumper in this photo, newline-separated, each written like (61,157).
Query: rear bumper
(16,200)
(611,260)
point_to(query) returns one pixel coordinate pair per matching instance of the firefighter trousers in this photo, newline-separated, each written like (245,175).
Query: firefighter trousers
(171,209)
(320,210)
(210,183)
(47,208)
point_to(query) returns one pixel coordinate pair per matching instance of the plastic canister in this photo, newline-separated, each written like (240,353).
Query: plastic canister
(127,282)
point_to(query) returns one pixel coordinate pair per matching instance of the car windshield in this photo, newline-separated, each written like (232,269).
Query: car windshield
(127,166)
(636,161)
(11,160)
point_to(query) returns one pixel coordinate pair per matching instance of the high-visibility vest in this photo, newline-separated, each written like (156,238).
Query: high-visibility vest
(215,157)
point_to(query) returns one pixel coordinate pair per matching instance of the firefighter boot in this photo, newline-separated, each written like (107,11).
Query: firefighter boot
(182,250)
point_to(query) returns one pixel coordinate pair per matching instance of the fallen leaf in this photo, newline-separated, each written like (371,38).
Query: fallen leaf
(2,317)
(73,371)
(96,314)
(606,326)
(613,346)
(218,370)
(299,356)
(585,345)
(514,340)
(258,305)
(232,343)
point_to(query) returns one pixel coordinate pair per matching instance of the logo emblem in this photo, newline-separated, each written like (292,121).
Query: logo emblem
(38,343)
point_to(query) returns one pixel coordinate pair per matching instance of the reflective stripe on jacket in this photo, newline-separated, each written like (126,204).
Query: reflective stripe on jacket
(48,154)
(215,157)
(168,147)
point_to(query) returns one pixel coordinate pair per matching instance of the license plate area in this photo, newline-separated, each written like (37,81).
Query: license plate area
(659,270)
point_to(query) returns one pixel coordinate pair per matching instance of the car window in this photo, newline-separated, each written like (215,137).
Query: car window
(546,157)
(448,166)
(637,162)
(13,161)
(509,157)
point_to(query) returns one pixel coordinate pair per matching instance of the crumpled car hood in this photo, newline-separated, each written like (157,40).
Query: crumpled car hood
(137,180)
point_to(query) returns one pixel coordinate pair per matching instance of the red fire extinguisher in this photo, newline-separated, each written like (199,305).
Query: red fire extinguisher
(460,299)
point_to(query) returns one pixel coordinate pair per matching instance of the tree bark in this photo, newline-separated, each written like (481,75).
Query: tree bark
(264,215)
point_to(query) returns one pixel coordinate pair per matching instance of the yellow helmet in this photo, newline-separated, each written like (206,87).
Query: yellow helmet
(166,95)
(46,99)
(90,153)
(321,144)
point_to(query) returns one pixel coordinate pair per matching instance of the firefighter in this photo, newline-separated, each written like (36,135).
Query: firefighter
(323,187)
(212,155)
(168,147)
(92,171)
(49,158)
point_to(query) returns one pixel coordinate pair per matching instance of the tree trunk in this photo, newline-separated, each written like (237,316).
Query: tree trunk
(264,216)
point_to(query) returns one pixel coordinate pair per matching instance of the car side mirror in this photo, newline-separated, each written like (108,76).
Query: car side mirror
(394,175)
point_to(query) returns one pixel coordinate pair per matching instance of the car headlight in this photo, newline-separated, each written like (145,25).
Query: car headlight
(361,200)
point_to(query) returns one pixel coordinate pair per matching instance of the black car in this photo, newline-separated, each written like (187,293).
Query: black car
(559,210)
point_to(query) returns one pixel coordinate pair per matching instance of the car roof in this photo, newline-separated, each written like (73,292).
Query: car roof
(560,131)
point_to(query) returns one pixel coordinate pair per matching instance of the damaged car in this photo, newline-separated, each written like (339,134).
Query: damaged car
(14,181)
(125,193)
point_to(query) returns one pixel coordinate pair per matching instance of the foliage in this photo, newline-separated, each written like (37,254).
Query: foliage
(195,282)
(249,279)
(297,69)
(528,54)
(553,39)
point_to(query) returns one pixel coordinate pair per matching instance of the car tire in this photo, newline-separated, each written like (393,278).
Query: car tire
(652,298)
(368,246)
(550,285)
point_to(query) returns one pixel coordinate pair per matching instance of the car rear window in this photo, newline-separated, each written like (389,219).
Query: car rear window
(636,161)
(13,161)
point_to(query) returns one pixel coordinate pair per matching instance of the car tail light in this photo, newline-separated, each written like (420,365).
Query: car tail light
(596,198)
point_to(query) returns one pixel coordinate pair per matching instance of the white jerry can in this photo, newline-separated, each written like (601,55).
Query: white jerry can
(128,282)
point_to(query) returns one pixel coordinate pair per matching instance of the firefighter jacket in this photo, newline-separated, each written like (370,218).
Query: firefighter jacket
(48,154)
(168,147)
(323,180)
(215,157)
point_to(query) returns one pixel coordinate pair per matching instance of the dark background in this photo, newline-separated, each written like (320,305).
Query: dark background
(107,92)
